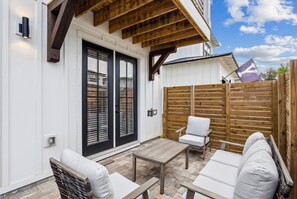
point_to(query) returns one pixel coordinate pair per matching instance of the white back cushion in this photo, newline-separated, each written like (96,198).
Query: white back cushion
(255,148)
(198,126)
(96,173)
(251,140)
(258,178)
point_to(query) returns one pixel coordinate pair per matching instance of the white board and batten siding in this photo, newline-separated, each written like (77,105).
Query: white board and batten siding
(39,98)
(208,71)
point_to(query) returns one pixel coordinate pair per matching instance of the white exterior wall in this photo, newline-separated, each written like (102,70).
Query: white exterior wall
(226,70)
(188,51)
(39,98)
(191,73)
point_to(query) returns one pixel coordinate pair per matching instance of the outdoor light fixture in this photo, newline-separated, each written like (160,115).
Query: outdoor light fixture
(24,29)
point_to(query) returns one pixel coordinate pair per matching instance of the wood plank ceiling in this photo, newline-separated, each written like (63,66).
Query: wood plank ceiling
(158,24)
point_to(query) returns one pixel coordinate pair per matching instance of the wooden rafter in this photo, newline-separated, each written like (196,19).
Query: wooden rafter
(60,14)
(170,38)
(117,9)
(149,11)
(153,68)
(153,24)
(164,31)
(89,5)
(179,43)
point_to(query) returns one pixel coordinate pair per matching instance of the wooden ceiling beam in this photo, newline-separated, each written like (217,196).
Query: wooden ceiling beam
(89,5)
(149,11)
(180,43)
(153,24)
(170,38)
(117,9)
(164,31)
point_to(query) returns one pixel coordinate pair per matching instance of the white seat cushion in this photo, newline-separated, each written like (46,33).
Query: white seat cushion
(251,140)
(220,172)
(122,185)
(255,148)
(198,126)
(96,173)
(193,140)
(228,158)
(258,178)
(213,186)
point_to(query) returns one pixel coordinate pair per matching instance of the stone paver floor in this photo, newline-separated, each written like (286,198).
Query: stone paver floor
(175,173)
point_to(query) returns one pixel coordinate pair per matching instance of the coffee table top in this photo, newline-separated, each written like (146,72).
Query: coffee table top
(162,151)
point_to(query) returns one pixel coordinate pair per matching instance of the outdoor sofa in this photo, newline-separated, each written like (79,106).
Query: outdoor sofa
(258,173)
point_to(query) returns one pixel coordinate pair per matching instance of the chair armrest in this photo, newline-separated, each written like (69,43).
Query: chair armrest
(180,130)
(193,188)
(208,132)
(224,143)
(142,190)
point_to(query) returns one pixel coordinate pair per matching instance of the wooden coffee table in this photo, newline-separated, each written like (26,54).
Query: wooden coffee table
(161,153)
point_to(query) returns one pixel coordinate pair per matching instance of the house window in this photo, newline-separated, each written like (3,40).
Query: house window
(206,49)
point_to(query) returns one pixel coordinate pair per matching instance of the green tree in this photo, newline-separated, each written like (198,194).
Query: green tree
(282,69)
(270,74)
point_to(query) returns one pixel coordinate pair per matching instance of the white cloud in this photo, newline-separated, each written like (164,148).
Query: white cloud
(275,60)
(281,40)
(261,51)
(276,50)
(252,29)
(235,8)
(256,13)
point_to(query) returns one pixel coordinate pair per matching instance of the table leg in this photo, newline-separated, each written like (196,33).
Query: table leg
(187,158)
(133,168)
(162,179)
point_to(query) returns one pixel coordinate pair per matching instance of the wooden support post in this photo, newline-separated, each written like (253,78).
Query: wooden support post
(293,84)
(60,14)
(192,111)
(227,101)
(288,123)
(275,111)
(282,142)
(153,68)
(165,109)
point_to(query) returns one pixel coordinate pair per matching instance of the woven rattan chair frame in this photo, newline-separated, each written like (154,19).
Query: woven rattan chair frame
(71,184)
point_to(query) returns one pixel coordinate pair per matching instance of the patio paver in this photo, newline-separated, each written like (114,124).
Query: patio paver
(175,173)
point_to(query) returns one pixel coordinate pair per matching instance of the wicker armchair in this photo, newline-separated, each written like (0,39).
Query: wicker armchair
(72,184)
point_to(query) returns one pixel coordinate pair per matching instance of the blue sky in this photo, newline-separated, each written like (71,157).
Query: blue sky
(265,30)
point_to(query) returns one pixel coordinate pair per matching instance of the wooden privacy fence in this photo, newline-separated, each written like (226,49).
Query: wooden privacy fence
(239,109)
(236,110)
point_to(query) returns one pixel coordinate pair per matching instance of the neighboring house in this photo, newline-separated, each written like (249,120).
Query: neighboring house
(198,70)
(87,82)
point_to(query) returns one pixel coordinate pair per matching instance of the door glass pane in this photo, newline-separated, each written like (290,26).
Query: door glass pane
(126,98)
(97,96)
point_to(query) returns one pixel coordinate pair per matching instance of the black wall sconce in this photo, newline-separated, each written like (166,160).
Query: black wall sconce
(24,29)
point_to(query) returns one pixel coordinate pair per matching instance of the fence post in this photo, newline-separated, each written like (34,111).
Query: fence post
(281,87)
(293,85)
(227,103)
(275,111)
(165,107)
(192,111)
